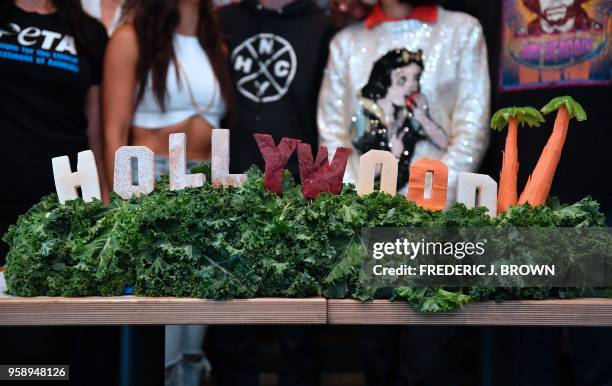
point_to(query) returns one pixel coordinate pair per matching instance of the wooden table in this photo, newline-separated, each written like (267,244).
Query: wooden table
(122,310)
(574,312)
(156,311)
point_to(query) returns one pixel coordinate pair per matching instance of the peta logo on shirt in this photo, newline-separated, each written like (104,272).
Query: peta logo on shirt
(42,38)
(265,66)
(39,47)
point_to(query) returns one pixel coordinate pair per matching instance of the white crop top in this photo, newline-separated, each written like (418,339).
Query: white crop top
(197,93)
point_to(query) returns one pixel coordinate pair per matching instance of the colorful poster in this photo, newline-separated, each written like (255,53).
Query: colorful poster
(555,43)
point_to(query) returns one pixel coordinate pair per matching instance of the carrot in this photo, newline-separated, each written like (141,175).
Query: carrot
(507,194)
(540,182)
(512,116)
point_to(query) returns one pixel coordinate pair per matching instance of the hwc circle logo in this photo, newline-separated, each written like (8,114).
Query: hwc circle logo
(266,64)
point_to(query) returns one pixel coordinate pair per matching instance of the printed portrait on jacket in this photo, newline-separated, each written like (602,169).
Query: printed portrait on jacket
(394,114)
(549,43)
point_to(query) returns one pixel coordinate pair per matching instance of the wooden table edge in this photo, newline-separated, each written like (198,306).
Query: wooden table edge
(551,312)
(138,310)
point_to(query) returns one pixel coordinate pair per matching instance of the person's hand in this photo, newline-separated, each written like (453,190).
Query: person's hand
(104,189)
(105,197)
(433,131)
(345,12)
(419,107)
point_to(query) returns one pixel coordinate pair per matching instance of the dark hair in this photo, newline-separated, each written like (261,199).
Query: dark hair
(155,22)
(72,14)
(380,76)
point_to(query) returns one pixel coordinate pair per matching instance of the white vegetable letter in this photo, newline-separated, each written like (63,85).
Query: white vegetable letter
(86,177)
(367,172)
(477,190)
(123,184)
(220,161)
(179,179)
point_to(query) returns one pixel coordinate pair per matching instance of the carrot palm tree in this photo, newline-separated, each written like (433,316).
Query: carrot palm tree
(512,117)
(539,183)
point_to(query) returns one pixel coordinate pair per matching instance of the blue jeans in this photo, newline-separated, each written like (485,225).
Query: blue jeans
(162,167)
(184,359)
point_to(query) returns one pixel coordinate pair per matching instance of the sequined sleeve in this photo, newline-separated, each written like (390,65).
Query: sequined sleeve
(333,119)
(469,135)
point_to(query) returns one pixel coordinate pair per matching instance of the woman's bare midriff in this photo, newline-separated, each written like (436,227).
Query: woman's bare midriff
(198,133)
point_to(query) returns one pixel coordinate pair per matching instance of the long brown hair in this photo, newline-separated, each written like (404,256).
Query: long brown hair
(155,22)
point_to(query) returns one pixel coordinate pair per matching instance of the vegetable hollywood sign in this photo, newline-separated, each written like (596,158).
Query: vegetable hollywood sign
(319,175)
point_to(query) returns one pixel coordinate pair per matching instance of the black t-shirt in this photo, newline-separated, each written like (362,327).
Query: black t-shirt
(277,62)
(44,80)
(533,61)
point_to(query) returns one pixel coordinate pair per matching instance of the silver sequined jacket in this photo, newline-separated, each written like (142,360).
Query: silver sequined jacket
(455,82)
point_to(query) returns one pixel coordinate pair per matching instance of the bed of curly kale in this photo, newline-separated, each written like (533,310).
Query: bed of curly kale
(242,243)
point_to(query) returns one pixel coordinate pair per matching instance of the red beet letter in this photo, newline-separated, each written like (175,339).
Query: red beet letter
(275,158)
(320,176)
